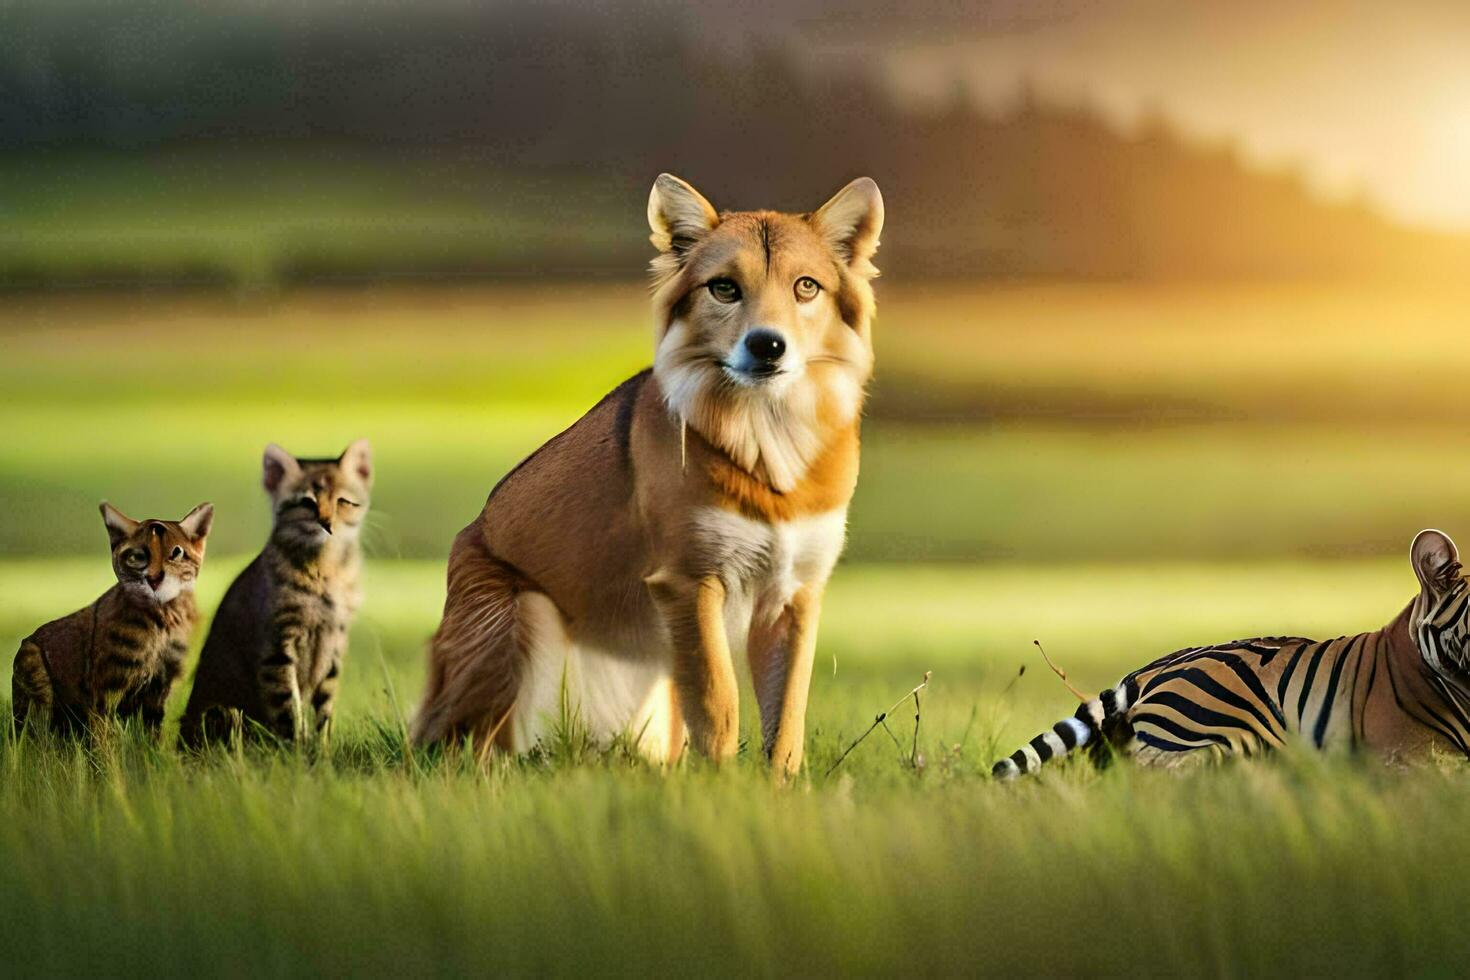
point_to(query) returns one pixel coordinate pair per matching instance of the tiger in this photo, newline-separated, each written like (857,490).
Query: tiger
(1400,692)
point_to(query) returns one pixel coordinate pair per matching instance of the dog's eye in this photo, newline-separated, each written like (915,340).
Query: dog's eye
(344,502)
(177,553)
(807,288)
(724,290)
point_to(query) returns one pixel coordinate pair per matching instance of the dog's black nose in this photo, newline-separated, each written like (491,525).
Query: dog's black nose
(766,346)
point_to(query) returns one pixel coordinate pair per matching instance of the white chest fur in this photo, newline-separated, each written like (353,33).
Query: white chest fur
(620,687)
(763,564)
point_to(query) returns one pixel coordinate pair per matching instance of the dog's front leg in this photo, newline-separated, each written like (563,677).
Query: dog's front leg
(783,645)
(693,610)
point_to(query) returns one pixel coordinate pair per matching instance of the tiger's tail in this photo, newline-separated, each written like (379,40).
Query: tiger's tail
(1090,724)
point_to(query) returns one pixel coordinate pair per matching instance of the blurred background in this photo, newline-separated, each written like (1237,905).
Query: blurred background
(1174,294)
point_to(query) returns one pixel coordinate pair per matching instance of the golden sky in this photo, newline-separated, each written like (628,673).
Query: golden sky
(1362,95)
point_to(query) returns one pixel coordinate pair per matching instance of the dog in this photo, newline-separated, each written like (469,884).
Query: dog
(699,507)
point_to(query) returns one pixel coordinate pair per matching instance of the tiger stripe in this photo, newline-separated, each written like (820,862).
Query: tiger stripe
(1400,690)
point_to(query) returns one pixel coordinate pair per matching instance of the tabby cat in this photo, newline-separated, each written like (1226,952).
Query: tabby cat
(121,654)
(276,645)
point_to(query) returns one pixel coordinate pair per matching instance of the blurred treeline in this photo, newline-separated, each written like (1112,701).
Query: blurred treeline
(261,144)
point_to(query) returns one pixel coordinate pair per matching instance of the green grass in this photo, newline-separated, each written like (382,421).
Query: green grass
(253,218)
(372,859)
(138,865)
(1272,424)
(882,627)
(1117,472)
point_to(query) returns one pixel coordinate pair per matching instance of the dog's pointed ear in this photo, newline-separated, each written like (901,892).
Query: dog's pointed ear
(119,525)
(275,465)
(851,223)
(197,522)
(678,215)
(1436,561)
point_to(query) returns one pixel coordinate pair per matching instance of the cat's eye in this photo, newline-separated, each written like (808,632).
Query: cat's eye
(177,553)
(724,290)
(136,558)
(807,288)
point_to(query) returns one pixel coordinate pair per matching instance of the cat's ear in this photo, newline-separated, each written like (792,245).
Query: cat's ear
(678,215)
(119,525)
(197,522)
(276,465)
(357,459)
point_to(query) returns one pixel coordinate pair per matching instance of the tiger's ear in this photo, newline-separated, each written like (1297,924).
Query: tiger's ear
(275,466)
(119,525)
(197,522)
(851,222)
(678,215)
(357,459)
(1436,561)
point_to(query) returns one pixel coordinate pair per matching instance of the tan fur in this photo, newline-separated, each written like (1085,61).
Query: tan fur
(696,508)
(275,649)
(480,645)
(122,654)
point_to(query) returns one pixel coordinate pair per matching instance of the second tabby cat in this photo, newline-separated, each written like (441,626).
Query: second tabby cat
(276,645)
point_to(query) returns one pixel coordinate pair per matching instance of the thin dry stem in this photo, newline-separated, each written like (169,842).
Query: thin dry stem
(918,714)
(882,720)
(1019,674)
(1060,673)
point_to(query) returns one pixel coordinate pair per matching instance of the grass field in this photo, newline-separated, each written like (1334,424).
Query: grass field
(1032,424)
(254,218)
(372,859)
(1116,471)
